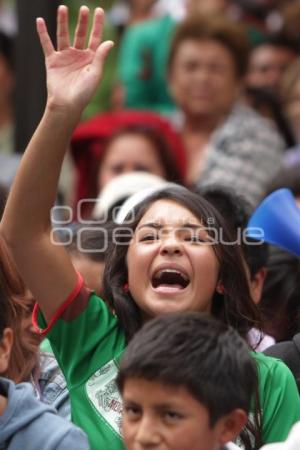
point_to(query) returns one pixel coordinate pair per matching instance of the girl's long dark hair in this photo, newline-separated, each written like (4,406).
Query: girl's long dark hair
(235,307)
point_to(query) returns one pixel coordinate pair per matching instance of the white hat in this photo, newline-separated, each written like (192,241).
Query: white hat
(138,197)
(124,186)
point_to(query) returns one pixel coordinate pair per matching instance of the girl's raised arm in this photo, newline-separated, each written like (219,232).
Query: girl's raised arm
(73,74)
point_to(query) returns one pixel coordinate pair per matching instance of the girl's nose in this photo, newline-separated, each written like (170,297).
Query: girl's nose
(171,245)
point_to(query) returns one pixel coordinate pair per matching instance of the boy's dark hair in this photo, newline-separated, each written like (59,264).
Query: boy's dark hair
(236,210)
(227,33)
(198,352)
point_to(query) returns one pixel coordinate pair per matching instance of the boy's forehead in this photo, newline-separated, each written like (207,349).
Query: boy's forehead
(157,394)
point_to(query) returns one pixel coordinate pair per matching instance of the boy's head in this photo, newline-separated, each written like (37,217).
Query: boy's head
(186,381)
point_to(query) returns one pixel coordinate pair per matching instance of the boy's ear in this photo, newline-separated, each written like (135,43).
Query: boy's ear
(5,349)
(231,425)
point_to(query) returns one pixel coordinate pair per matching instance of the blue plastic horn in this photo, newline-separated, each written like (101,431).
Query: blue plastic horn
(277,221)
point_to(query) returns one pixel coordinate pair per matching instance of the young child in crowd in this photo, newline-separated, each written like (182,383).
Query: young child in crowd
(25,422)
(168,259)
(187,381)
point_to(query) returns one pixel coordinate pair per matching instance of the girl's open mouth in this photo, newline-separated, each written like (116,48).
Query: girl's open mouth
(169,280)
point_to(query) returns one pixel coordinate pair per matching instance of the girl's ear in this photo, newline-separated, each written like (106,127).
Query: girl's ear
(230,425)
(5,349)
(220,287)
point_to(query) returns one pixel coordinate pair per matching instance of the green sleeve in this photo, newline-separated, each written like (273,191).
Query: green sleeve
(279,397)
(85,337)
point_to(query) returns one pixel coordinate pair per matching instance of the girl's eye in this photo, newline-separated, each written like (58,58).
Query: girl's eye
(195,238)
(149,237)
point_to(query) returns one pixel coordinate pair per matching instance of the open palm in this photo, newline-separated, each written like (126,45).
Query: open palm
(74,72)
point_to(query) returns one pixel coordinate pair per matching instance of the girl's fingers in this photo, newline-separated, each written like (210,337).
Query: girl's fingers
(81,29)
(101,54)
(97,28)
(62,32)
(63,39)
(45,40)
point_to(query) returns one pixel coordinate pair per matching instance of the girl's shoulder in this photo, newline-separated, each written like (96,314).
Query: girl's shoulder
(268,364)
(278,397)
(274,374)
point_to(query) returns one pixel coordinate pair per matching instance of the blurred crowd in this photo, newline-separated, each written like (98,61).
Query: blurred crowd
(218,78)
(201,93)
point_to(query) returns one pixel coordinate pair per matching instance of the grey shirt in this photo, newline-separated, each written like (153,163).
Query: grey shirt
(245,154)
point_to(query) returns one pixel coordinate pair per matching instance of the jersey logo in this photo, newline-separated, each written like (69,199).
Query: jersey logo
(103,393)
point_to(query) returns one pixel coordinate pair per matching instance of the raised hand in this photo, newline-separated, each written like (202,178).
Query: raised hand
(74,72)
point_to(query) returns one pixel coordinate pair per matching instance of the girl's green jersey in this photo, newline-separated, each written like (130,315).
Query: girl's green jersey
(88,344)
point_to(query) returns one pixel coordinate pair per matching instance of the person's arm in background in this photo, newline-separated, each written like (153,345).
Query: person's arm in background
(136,71)
(101,100)
(73,74)
(142,65)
